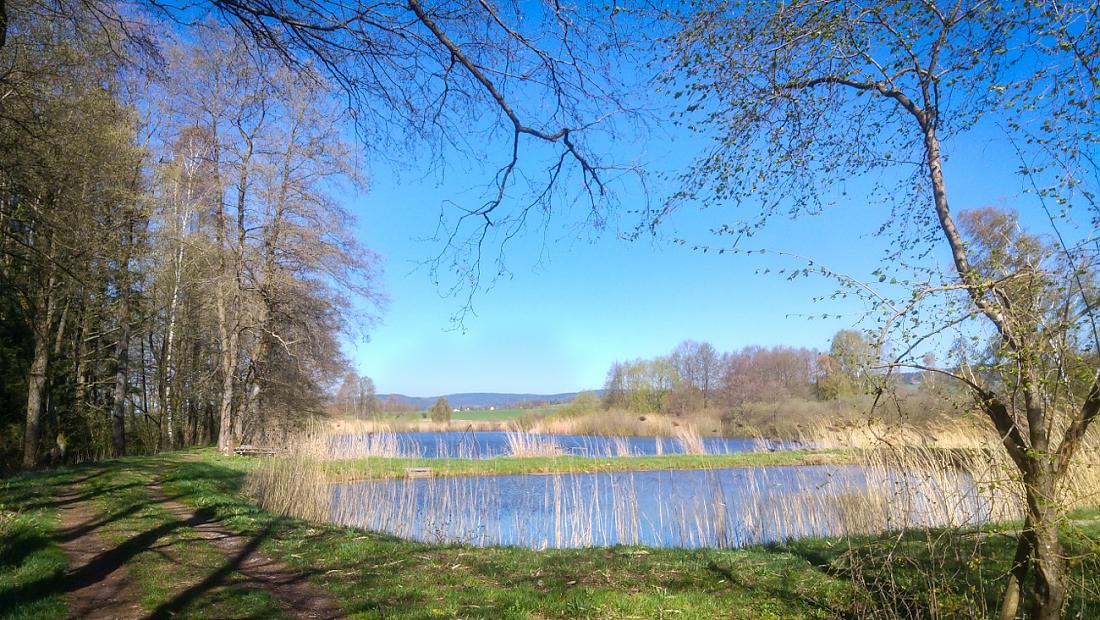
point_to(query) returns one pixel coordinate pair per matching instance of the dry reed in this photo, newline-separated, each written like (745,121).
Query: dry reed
(618,423)
(954,478)
(531,445)
(690,441)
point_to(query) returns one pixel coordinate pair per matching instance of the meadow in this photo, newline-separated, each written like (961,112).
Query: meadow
(919,573)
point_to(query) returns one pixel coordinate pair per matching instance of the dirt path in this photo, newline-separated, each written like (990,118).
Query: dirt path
(301,598)
(98,585)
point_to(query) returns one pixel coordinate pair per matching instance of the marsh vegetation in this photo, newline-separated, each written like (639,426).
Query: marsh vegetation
(531,492)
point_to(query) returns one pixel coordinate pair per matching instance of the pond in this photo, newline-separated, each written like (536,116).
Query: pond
(488,444)
(722,507)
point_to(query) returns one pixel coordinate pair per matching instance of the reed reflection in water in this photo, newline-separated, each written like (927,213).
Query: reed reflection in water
(665,508)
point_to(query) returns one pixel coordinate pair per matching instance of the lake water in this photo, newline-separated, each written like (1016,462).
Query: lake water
(488,444)
(679,508)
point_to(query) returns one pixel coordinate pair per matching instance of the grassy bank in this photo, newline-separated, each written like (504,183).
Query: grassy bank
(31,561)
(354,469)
(919,574)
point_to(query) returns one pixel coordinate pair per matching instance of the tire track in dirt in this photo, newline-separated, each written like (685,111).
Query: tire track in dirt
(301,598)
(97,582)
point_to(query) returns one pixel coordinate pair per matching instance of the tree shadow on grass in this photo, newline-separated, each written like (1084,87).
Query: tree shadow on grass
(72,533)
(21,545)
(219,577)
(103,564)
(789,589)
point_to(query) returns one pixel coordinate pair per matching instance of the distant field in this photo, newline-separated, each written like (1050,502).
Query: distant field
(484,415)
(503,414)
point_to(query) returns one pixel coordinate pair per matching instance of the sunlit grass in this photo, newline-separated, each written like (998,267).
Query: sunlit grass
(812,578)
(379,468)
(31,562)
(376,575)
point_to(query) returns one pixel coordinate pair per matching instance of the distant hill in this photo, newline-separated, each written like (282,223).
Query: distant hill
(480,400)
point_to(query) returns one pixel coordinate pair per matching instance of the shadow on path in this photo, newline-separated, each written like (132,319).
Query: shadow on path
(300,597)
(182,600)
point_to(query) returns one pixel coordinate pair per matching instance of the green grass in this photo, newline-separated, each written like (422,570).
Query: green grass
(31,562)
(395,467)
(915,574)
(481,415)
(170,562)
(380,576)
(503,414)
(937,573)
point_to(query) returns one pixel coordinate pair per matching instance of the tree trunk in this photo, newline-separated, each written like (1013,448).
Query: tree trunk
(122,375)
(192,423)
(168,374)
(211,423)
(1048,559)
(1040,479)
(1010,602)
(36,377)
(228,357)
(81,368)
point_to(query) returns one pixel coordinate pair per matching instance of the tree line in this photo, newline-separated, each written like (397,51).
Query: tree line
(695,376)
(174,267)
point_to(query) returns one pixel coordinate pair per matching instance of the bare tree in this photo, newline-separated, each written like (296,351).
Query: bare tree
(759,374)
(699,367)
(540,87)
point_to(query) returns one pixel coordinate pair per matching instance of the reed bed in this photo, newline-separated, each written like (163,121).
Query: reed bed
(375,444)
(382,442)
(954,479)
(294,483)
(618,447)
(409,425)
(690,441)
(617,423)
(709,509)
(877,435)
(523,444)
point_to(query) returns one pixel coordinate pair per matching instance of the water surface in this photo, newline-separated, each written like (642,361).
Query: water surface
(488,444)
(725,507)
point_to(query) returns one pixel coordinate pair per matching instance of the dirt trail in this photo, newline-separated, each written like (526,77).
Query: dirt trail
(98,585)
(300,597)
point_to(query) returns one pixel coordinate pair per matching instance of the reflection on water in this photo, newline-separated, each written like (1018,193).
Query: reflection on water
(487,444)
(677,508)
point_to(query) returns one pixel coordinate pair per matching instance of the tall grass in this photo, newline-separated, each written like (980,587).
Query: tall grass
(294,483)
(619,447)
(580,510)
(618,423)
(690,441)
(412,424)
(523,444)
(905,480)
(374,444)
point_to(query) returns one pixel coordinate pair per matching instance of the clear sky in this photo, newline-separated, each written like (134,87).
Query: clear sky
(577,300)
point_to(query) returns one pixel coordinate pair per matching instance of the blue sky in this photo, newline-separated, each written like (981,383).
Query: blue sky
(577,300)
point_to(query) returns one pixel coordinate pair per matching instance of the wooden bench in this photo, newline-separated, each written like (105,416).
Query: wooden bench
(246,450)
